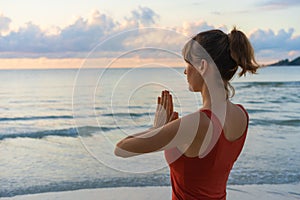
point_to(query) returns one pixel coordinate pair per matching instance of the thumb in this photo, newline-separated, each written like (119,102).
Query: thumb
(174,116)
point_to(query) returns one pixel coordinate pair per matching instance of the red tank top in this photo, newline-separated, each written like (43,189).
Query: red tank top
(205,178)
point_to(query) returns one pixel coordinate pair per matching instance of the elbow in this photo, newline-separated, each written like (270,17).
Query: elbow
(118,149)
(120,152)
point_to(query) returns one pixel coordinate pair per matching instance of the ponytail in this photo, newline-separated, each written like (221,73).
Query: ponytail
(242,52)
(229,52)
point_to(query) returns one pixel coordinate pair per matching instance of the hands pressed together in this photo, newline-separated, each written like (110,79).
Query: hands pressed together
(164,111)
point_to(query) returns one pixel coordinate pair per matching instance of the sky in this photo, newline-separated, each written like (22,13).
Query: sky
(53,34)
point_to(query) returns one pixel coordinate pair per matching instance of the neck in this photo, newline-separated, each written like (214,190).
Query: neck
(214,94)
(205,97)
(215,98)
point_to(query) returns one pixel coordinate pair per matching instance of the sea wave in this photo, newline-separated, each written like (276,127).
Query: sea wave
(239,178)
(51,117)
(104,182)
(251,110)
(36,118)
(68,132)
(123,114)
(268,84)
(267,122)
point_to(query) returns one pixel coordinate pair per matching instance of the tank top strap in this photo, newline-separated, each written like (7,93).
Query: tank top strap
(245,111)
(215,120)
(217,124)
(217,131)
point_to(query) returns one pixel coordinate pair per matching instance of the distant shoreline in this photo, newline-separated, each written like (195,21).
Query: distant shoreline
(264,66)
(286,62)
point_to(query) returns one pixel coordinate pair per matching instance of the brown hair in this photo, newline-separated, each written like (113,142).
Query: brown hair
(228,52)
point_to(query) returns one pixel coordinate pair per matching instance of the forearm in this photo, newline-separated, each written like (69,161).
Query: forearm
(151,140)
(147,141)
(120,149)
(140,133)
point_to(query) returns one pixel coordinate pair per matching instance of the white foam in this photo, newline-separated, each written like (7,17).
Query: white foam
(241,192)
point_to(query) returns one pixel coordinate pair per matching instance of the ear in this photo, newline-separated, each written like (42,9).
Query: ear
(203,67)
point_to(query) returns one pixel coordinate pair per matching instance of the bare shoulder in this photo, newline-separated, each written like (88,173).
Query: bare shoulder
(198,128)
(235,123)
(198,120)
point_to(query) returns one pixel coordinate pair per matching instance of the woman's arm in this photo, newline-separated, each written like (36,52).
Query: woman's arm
(163,114)
(168,131)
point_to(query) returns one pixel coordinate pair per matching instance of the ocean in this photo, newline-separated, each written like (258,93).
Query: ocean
(59,127)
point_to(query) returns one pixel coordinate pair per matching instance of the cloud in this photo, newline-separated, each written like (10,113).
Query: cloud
(269,44)
(144,15)
(4,23)
(192,28)
(268,39)
(140,17)
(270,5)
(278,4)
(84,34)
(78,38)
(27,39)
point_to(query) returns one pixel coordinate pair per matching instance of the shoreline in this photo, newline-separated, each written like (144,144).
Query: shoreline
(234,192)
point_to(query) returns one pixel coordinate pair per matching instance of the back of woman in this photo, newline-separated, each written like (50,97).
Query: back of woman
(195,178)
(201,147)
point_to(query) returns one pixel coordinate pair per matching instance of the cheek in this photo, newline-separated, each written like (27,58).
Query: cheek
(193,73)
(189,69)
(195,81)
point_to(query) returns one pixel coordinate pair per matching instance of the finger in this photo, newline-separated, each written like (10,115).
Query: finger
(158,106)
(171,108)
(170,105)
(175,115)
(171,117)
(165,99)
(158,100)
(162,97)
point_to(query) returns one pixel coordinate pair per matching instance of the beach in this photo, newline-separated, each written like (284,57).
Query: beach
(237,192)
(81,78)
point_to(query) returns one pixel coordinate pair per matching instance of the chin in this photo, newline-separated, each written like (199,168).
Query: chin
(192,89)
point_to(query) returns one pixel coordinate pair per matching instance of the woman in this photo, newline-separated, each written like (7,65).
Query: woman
(201,147)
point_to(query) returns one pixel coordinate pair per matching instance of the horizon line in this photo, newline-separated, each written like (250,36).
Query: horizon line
(93,63)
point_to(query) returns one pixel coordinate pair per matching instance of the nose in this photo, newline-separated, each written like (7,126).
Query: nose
(184,71)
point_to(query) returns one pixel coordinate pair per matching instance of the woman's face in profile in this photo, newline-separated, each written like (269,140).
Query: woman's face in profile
(193,78)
